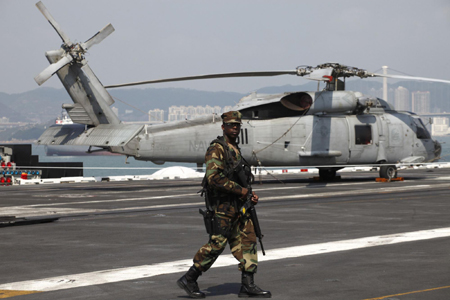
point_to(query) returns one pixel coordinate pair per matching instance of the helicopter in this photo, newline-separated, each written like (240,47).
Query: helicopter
(328,129)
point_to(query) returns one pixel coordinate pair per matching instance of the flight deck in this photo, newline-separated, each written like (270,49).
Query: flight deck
(352,238)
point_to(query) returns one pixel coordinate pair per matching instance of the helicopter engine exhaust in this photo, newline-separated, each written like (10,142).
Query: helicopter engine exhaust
(328,102)
(297,101)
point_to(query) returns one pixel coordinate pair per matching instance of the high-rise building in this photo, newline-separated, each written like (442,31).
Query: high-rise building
(218,110)
(440,126)
(178,113)
(376,93)
(156,115)
(402,99)
(391,97)
(227,108)
(420,102)
(200,110)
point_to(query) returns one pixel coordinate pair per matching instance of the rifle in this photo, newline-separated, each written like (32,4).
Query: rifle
(245,177)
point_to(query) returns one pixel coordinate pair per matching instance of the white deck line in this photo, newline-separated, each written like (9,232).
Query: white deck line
(145,271)
(52,209)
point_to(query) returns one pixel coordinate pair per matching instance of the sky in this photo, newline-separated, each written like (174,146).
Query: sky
(174,38)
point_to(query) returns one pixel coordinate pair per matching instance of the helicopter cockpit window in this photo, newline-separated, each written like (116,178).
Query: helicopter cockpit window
(421,132)
(363,134)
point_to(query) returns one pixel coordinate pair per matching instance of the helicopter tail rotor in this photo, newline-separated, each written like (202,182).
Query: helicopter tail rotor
(52,69)
(69,52)
(53,22)
(98,37)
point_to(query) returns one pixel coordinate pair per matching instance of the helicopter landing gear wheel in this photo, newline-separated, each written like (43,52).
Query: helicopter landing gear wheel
(388,172)
(327,174)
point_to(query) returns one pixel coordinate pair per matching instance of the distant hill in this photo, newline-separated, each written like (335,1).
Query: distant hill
(39,105)
(44,104)
(11,114)
(163,98)
(23,133)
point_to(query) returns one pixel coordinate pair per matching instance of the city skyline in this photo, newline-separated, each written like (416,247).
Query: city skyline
(183,112)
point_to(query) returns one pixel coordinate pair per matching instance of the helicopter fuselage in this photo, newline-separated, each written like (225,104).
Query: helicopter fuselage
(309,140)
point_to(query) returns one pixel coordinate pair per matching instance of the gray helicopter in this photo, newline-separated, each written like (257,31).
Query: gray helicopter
(329,129)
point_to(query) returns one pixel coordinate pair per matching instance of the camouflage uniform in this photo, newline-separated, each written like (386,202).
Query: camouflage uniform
(235,229)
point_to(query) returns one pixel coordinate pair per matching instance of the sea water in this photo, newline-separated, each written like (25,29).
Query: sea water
(114,165)
(109,165)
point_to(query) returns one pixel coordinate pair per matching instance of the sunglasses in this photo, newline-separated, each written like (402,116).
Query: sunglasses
(232,124)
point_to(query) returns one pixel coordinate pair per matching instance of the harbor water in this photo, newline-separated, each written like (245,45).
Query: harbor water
(109,165)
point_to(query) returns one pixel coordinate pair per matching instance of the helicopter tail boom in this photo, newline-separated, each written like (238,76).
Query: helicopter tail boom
(104,135)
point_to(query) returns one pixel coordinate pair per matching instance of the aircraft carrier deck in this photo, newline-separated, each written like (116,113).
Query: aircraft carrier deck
(352,238)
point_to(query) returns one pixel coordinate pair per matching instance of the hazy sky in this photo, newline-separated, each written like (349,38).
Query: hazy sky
(171,38)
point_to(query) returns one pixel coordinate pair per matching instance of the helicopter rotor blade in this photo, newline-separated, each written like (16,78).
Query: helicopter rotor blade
(210,76)
(52,69)
(98,37)
(409,77)
(53,22)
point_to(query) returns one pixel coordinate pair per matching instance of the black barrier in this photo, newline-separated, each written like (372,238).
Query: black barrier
(22,156)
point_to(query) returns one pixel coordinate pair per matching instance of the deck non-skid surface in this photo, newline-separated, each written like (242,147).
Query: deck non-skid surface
(349,239)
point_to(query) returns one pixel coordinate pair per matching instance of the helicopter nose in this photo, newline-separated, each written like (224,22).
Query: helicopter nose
(437,149)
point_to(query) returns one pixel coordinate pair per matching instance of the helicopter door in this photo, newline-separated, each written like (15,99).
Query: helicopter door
(363,134)
(400,137)
(396,140)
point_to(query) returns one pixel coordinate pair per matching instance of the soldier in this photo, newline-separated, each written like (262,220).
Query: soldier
(230,226)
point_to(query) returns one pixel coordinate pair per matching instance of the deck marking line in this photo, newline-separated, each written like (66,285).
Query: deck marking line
(41,210)
(413,292)
(7,294)
(346,193)
(179,266)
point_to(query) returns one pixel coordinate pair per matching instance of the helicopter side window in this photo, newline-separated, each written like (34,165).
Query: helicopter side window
(363,134)
(421,131)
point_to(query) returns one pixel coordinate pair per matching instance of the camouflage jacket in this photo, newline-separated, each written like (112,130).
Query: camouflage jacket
(218,182)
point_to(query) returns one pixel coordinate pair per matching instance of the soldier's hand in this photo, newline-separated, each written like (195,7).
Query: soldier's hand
(244,193)
(255,198)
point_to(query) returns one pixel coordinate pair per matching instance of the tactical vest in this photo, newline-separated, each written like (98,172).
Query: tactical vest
(231,171)
(230,165)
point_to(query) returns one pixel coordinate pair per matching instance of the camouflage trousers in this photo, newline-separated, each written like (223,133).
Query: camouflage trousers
(238,232)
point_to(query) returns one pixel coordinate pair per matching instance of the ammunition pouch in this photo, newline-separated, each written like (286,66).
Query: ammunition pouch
(212,222)
(209,219)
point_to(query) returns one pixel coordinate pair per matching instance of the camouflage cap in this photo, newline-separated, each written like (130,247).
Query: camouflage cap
(232,117)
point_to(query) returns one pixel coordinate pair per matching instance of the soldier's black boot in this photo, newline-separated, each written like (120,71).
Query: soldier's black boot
(188,282)
(249,289)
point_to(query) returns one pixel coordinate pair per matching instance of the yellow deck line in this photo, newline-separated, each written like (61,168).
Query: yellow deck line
(408,293)
(9,293)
